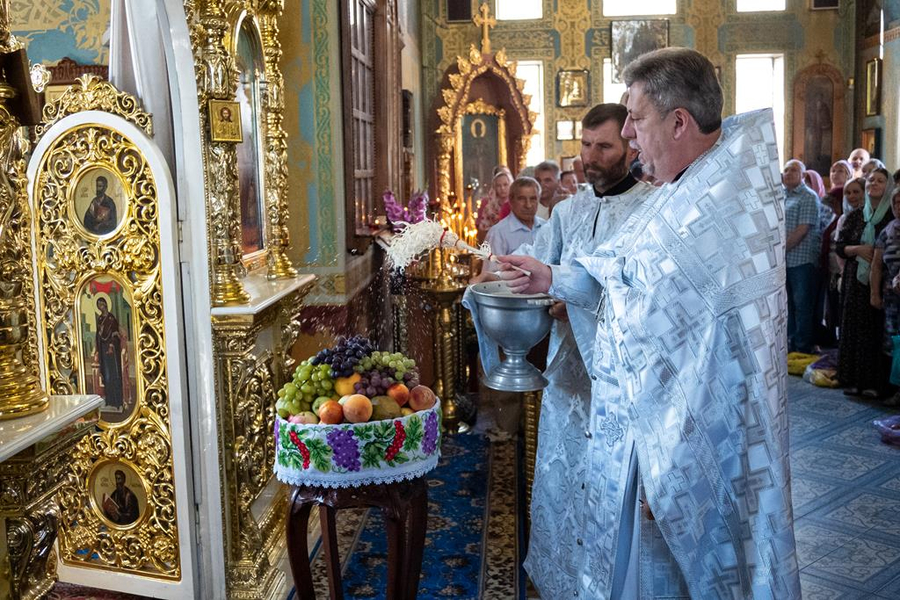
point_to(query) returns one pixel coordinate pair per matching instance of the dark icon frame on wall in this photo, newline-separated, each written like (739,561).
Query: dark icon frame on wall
(871,141)
(873,87)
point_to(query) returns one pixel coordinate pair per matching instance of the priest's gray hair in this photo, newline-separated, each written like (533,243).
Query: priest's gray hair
(679,78)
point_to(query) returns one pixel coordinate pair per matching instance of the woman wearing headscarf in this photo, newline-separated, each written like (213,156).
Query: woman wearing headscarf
(814,181)
(861,367)
(490,205)
(841,172)
(884,277)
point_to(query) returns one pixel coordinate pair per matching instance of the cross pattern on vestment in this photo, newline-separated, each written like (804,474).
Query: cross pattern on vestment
(612,430)
(486,22)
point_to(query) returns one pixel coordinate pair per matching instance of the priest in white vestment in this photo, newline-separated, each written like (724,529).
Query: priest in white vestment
(688,453)
(576,226)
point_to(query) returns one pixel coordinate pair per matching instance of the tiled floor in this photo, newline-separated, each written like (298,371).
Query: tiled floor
(846,488)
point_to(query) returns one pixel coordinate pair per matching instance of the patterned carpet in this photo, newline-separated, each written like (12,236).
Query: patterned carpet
(471,545)
(846,489)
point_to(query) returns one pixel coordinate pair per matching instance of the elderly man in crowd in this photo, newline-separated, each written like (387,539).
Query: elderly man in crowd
(577,225)
(801,226)
(688,475)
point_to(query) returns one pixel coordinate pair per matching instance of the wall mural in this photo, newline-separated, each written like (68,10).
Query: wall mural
(575,35)
(54,30)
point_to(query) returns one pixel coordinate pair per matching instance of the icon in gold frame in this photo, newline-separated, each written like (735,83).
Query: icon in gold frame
(225,121)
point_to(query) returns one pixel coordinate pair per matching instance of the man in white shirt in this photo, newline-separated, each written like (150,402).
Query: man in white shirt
(516,228)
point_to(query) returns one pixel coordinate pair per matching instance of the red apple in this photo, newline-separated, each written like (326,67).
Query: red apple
(421,398)
(400,393)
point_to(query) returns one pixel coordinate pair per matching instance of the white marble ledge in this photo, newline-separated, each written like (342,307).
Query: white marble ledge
(24,432)
(263,294)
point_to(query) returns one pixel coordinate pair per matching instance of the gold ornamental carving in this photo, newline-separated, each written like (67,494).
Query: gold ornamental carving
(217,78)
(29,483)
(455,101)
(279,266)
(92,93)
(246,417)
(80,265)
(20,389)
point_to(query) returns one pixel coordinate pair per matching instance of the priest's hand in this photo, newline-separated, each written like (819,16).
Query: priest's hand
(538,282)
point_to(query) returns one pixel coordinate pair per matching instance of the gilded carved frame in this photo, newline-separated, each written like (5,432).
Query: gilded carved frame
(455,100)
(132,254)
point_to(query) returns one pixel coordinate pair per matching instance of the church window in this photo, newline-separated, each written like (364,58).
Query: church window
(759,83)
(532,73)
(370,41)
(760,5)
(517,10)
(250,153)
(612,91)
(629,8)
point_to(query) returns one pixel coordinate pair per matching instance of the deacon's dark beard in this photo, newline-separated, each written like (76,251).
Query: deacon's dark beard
(602,178)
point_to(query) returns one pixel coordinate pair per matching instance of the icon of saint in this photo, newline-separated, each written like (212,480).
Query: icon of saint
(108,353)
(121,507)
(100,217)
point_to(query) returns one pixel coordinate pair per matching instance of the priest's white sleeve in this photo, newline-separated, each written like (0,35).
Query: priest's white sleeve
(573,285)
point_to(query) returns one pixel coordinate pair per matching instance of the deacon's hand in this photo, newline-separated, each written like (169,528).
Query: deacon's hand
(520,283)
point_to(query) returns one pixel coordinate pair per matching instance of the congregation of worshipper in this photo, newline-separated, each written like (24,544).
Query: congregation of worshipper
(469,299)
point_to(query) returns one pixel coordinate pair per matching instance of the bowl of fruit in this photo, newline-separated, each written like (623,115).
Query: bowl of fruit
(353,415)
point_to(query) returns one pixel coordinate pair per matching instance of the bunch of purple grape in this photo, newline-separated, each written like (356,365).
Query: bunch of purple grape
(345,447)
(429,441)
(374,383)
(345,355)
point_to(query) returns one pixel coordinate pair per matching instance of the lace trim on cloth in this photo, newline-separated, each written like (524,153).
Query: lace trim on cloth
(405,472)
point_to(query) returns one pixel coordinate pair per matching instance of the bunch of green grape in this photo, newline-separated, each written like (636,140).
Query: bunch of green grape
(380,370)
(310,386)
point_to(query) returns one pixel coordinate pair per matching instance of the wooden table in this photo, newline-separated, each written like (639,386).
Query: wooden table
(405,507)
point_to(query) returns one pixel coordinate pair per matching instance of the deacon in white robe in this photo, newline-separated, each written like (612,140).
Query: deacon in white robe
(689,406)
(576,226)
